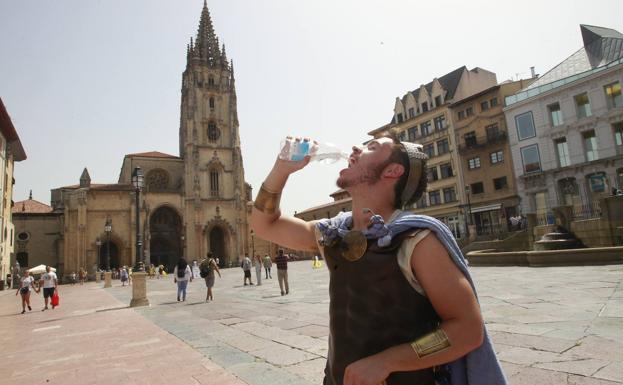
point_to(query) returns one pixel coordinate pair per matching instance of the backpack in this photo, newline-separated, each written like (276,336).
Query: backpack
(205,268)
(181,273)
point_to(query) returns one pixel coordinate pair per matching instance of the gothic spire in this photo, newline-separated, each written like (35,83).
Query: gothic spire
(206,44)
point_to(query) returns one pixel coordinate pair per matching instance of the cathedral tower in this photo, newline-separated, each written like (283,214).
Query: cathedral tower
(215,192)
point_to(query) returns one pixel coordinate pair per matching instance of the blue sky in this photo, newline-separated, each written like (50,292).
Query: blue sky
(88,81)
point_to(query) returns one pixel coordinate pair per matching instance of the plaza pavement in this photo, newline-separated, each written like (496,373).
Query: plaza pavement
(560,325)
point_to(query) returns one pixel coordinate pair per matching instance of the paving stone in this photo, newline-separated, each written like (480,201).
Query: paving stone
(311,370)
(584,367)
(265,374)
(613,372)
(283,355)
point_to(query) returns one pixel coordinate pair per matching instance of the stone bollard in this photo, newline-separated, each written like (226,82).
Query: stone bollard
(139,289)
(97,277)
(108,279)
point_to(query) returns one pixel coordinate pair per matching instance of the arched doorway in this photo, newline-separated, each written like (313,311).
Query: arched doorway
(114,255)
(165,229)
(217,245)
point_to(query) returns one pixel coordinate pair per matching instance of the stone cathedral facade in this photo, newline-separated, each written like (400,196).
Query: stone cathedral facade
(191,204)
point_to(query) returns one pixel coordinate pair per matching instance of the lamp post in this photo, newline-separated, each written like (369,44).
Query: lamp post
(137,182)
(108,230)
(252,244)
(98,243)
(469,208)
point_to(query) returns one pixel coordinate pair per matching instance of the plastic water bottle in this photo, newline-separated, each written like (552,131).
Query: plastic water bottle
(296,149)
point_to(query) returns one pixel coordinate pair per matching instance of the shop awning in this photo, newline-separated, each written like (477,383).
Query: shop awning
(495,206)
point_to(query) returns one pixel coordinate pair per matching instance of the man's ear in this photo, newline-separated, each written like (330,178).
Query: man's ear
(393,171)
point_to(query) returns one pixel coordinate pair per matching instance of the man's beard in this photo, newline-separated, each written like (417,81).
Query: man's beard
(371,176)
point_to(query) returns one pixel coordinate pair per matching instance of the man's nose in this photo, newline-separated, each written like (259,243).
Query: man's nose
(356,149)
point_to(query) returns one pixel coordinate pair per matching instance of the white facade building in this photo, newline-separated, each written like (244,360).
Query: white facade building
(566,130)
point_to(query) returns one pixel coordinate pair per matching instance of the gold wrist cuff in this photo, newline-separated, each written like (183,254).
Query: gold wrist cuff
(267,201)
(431,343)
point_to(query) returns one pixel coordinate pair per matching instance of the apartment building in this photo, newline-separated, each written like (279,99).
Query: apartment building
(424,116)
(566,130)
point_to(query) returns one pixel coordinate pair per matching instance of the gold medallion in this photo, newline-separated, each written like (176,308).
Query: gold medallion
(355,245)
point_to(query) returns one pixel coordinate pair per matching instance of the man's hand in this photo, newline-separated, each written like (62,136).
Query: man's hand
(367,371)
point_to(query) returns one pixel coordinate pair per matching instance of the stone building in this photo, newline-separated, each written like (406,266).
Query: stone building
(423,116)
(485,159)
(191,204)
(11,151)
(566,130)
(341,202)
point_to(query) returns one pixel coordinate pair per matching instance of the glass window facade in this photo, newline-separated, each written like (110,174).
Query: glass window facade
(449,195)
(500,183)
(531,159)
(477,188)
(425,128)
(429,149)
(525,125)
(484,106)
(473,163)
(590,145)
(434,197)
(496,157)
(443,147)
(446,170)
(440,123)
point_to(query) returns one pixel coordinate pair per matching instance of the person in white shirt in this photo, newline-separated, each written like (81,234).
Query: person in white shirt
(49,281)
(181,276)
(26,282)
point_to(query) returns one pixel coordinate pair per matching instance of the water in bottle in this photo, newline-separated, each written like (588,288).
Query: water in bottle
(296,149)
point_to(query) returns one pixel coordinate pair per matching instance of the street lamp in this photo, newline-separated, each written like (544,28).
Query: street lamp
(252,244)
(137,182)
(98,243)
(469,208)
(108,230)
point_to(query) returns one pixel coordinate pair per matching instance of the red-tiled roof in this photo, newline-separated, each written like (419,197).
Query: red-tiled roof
(153,154)
(31,206)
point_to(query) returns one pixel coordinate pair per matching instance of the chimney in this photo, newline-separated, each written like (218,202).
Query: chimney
(532,73)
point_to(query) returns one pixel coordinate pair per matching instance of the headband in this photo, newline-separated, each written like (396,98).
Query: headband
(416,159)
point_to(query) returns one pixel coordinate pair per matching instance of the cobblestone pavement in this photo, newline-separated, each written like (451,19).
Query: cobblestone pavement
(550,326)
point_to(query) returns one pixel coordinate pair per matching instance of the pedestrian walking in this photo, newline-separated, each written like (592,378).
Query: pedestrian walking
(49,282)
(82,275)
(206,270)
(124,276)
(257,263)
(27,282)
(246,268)
(282,271)
(182,275)
(195,269)
(268,263)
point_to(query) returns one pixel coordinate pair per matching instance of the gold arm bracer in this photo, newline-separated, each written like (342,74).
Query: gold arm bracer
(431,343)
(267,201)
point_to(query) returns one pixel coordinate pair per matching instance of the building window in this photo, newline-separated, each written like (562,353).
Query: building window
(440,123)
(22,258)
(461,115)
(613,95)
(493,132)
(531,159)
(411,112)
(562,152)
(493,102)
(211,102)
(412,134)
(431,174)
(402,136)
(424,106)
(525,125)
(555,115)
(473,163)
(214,185)
(484,106)
(477,188)
(434,197)
(213,132)
(429,149)
(582,105)
(437,101)
(618,137)
(449,195)
(425,128)
(421,203)
(446,170)
(500,183)
(469,111)
(210,80)
(590,145)
(470,139)
(399,117)
(496,157)
(443,147)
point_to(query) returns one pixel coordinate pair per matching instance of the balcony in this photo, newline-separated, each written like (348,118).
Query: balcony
(479,142)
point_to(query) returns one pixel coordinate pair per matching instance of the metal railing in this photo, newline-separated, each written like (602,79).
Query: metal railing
(478,142)
(588,210)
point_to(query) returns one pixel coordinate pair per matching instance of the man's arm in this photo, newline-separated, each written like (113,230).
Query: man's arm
(454,301)
(269,224)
